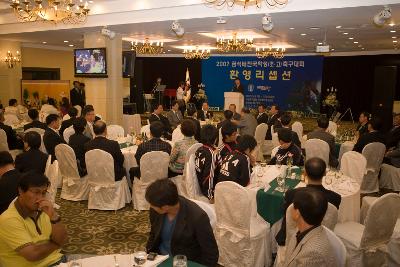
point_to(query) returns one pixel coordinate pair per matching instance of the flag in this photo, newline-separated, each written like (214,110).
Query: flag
(187,76)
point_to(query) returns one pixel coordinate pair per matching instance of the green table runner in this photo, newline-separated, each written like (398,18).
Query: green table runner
(125,145)
(168,263)
(269,204)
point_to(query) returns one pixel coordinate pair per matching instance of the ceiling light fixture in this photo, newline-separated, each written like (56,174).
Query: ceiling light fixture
(246,3)
(383,16)
(394,41)
(303,34)
(345,33)
(351,38)
(338,27)
(65,41)
(263,52)
(12,60)
(147,47)
(267,23)
(234,44)
(291,28)
(66,11)
(71,45)
(177,28)
(394,37)
(355,42)
(392,31)
(391,24)
(197,53)
(44,42)
(315,28)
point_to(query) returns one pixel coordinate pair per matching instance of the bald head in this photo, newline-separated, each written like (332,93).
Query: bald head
(100,128)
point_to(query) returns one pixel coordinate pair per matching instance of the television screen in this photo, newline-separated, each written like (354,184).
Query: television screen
(90,62)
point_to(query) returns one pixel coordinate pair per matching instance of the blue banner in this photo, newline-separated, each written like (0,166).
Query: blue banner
(294,83)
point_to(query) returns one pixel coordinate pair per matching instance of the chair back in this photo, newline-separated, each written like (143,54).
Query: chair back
(339,249)
(100,167)
(192,149)
(11,119)
(146,130)
(177,134)
(297,127)
(191,183)
(331,217)
(274,151)
(209,209)
(68,132)
(275,140)
(67,161)
(261,131)
(79,108)
(52,173)
(66,117)
(115,131)
(48,163)
(43,116)
(353,165)
(379,223)
(317,148)
(148,173)
(374,153)
(3,141)
(38,130)
(332,128)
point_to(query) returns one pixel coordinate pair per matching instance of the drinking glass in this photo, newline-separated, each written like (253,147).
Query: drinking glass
(180,261)
(281,183)
(140,258)
(279,163)
(76,262)
(259,170)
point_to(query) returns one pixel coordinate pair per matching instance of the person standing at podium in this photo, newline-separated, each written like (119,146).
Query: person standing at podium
(238,87)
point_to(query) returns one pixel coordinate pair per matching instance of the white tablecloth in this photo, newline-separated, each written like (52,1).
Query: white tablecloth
(345,147)
(111,260)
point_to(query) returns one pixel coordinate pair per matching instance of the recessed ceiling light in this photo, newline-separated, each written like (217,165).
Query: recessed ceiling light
(315,28)
(44,42)
(394,41)
(65,41)
(351,38)
(355,42)
(71,45)
(362,48)
(291,28)
(169,50)
(90,2)
(338,27)
(345,33)
(392,31)
(333,49)
(303,34)
(319,43)
(391,24)
(394,37)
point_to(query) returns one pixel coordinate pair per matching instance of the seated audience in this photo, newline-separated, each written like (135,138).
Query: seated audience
(322,134)
(101,142)
(14,141)
(204,113)
(392,156)
(31,231)
(51,137)
(285,120)
(247,124)
(72,112)
(154,144)
(228,116)
(12,108)
(229,142)
(64,106)
(178,154)
(287,149)
(191,115)
(393,136)
(315,170)
(32,158)
(77,142)
(310,246)
(261,117)
(50,107)
(362,127)
(34,116)
(374,135)
(274,115)
(9,178)
(179,226)
(174,115)
(236,166)
(157,116)
(206,161)
(236,116)
(90,117)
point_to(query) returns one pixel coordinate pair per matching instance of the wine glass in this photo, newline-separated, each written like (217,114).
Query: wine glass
(140,258)
(278,163)
(281,183)
(180,261)
(259,170)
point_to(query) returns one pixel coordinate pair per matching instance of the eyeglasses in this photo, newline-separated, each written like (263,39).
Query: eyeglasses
(38,192)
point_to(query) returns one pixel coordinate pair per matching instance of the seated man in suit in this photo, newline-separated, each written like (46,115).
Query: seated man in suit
(191,115)
(362,127)
(393,136)
(77,142)
(51,137)
(14,141)
(32,158)
(179,226)
(315,170)
(34,116)
(287,149)
(274,113)
(204,113)
(262,117)
(228,115)
(392,157)
(285,120)
(72,112)
(90,117)
(9,178)
(322,134)
(247,124)
(174,115)
(154,144)
(310,246)
(236,116)
(157,116)
(101,142)
(229,139)
(373,135)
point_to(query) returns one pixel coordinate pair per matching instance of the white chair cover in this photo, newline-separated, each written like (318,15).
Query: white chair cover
(43,116)
(115,131)
(3,141)
(259,135)
(66,117)
(132,123)
(11,119)
(79,108)
(74,187)
(209,209)
(242,235)
(275,140)
(104,192)
(353,165)
(52,172)
(367,244)
(390,177)
(332,128)
(192,186)
(317,148)
(297,127)
(41,132)
(149,174)
(374,153)
(274,151)
(177,134)
(146,130)
(220,136)
(339,249)
(67,133)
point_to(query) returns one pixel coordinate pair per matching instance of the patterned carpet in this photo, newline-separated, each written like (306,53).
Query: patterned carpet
(103,232)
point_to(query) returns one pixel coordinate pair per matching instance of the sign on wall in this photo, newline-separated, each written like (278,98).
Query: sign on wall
(294,83)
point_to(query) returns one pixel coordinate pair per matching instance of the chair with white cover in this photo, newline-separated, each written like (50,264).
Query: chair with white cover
(145,130)
(259,135)
(3,141)
(192,186)
(79,108)
(339,249)
(242,235)
(209,209)
(74,187)
(275,140)
(41,132)
(43,116)
(374,153)
(52,172)
(332,128)
(68,132)
(297,127)
(177,134)
(66,117)
(10,119)
(115,131)
(367,244)
(390,177)
(317,148)
(181,180)
(104,192)
(149,174)
(353,165)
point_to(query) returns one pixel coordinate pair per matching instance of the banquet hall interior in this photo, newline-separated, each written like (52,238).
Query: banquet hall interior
(120,98)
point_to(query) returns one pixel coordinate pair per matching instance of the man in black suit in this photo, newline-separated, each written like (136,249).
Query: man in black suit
(191,112)
(9,178)
(315,169)
(77,95)
(228,115)
(34,115)
(262,117)
(32,158)
(236,116)
(285,120)
(179,226)
(110,146)
(72,112)
(14,141)
(273,120)
(204,114)
(373,135)
(77,142)
(237,87)
(51,137)
(393,136)
(157,116)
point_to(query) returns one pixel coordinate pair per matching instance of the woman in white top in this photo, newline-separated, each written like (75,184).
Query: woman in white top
(49,108)
(180,91)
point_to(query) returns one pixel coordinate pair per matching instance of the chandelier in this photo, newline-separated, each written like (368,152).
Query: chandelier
(66,11)
(11,60)
(235,44)
(278,52)
(147,47)
(246,3)
(197,53)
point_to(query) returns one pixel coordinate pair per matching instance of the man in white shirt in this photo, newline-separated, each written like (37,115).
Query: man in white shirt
(12,108)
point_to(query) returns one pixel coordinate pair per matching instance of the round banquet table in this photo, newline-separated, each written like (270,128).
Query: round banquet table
(168,263)
(120,260)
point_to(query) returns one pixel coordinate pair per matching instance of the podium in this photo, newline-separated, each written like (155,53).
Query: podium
(234,98)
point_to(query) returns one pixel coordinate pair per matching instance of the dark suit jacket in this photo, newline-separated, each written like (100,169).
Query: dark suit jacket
(33,159)
(77,143)
(330,139)
(367,138)
(111,147)
(65,124)
(164,120)
(51,139)
(263,118)
(393,137)
(198,128)
(238,89)
(200,115)
(35,124)
(8,188)
(77,98)
(271,121)
(13,141)
(192,235)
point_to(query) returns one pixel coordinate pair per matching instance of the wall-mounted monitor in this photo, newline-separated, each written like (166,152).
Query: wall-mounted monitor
(90,62)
